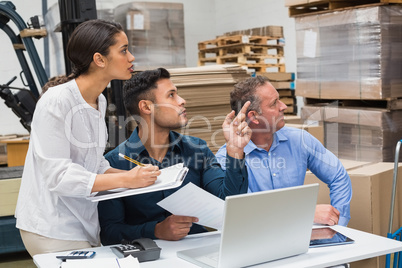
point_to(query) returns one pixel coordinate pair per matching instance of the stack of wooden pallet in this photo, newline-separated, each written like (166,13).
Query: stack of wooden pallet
(258,51)
(314,7)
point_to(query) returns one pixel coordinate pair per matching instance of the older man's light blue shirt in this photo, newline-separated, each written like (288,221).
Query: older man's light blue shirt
(293,152)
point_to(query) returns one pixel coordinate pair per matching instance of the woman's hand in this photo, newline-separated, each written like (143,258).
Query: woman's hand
(142,176)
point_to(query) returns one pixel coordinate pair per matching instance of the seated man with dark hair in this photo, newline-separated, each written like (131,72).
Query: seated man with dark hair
(152,99)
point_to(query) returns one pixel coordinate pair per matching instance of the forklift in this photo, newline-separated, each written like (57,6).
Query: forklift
(23,102)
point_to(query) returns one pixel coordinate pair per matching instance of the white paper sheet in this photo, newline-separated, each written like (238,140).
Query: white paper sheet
(310,44)
(127,262)
(193,201)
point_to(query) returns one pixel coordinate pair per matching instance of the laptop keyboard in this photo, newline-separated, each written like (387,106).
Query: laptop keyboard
(210,259)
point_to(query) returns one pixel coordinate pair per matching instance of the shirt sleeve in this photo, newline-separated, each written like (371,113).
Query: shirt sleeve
(104,165)
(327,167)
(221,156)
(233,180)
(51,148)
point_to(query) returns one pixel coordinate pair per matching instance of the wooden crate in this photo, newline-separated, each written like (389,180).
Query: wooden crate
(308,7)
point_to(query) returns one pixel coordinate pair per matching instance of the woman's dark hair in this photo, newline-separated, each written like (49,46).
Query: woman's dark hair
(139,86)
(88,38)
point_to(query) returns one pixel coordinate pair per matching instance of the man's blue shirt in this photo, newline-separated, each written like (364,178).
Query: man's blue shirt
(135,216)
(292,152)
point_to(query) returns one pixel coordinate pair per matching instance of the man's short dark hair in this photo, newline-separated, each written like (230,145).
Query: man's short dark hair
(245,91)
(139,88)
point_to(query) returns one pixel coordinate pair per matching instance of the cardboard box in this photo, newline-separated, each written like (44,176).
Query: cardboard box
(363,134)
(370,205)
(283,85)
(279,76)
(316,130)
(293,119)
(361,142)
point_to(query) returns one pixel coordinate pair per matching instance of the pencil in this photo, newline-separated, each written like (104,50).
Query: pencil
(131,160)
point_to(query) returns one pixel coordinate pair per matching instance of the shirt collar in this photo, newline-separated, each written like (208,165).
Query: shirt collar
(278,137)
(134,142)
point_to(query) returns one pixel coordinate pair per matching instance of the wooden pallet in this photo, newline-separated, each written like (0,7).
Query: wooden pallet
(274,31)
(388,104)
(252,68)
(289,101)
(291,110)
(263,67)
(242,54)
(250,49)
(308,7)
(279,77)
(240,39)
(242,58)
(286,93)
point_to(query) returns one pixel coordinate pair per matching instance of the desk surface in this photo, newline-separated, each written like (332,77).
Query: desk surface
(366,246)
(16,141)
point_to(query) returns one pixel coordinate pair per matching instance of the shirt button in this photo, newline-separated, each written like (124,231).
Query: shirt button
(274,174)
(269,153)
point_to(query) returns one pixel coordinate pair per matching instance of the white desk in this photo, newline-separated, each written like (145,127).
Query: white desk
(366,246)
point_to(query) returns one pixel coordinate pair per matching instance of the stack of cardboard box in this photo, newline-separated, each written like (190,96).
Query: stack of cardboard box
(364,134)
(155,33)
(352,60)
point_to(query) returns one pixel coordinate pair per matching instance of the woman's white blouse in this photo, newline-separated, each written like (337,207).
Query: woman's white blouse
(66,147)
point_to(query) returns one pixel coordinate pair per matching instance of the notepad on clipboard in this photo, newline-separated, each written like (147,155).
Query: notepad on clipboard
(170,177)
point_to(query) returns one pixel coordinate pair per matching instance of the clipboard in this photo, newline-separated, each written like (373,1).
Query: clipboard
(170,177)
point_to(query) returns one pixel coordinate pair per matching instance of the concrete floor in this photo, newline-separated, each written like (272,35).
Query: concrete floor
(16,260)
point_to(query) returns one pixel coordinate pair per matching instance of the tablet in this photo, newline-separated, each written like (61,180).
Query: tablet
(322,237)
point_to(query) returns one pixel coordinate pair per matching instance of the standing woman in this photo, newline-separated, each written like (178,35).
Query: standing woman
(65,162)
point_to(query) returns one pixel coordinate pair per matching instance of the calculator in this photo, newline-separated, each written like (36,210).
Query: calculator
(77,254)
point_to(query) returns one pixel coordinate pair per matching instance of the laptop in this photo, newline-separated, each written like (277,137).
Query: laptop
(261,227)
